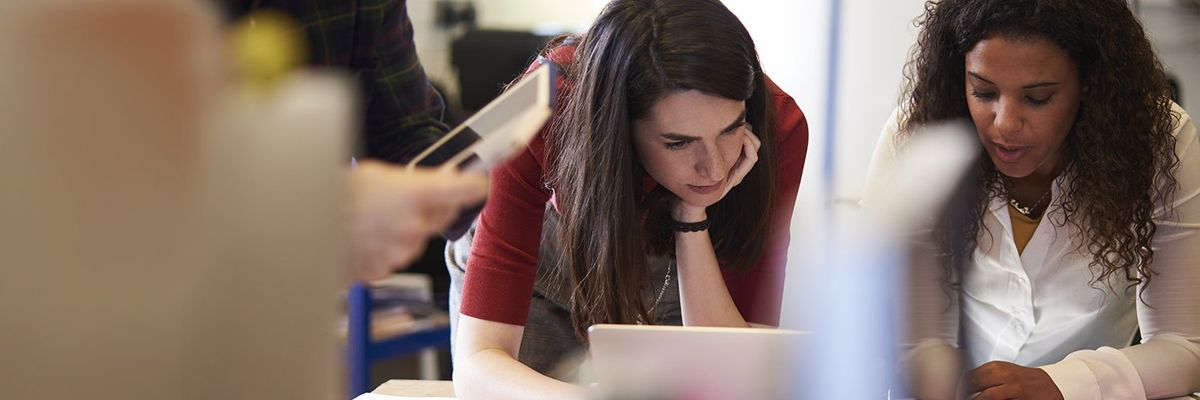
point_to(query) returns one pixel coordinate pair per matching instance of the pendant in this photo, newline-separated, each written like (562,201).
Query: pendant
(1023,210)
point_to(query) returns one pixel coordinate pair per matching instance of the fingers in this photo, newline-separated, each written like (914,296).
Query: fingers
(392,212)
(755,145)
(434,186)
(746,162)
(430,198)
(437,217)
(441,205)
(400,252)
(754,139)
(384,258)
(451,188)
(379,247)
(421,184)
(991,374)
(1004,380)
(389,245)
(987,375)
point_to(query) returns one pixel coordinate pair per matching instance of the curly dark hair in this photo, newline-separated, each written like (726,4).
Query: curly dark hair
(1120,147)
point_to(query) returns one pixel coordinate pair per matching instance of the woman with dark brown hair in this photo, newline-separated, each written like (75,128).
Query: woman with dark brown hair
(1087,193)
(660,193)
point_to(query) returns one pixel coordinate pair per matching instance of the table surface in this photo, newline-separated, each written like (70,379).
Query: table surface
(414,388)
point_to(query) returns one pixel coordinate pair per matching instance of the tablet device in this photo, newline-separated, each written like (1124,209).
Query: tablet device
(643,361)
(502,128)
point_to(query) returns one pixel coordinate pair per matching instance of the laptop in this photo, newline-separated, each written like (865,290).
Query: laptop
(641,361)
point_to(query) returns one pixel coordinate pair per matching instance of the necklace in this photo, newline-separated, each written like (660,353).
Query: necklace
(666,282)
(1029,209)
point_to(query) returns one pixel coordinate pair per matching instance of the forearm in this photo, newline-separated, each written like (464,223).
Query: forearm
(1163,367)
(404,113)
(704,298)
(493,374)
(932,369)
(1168,364)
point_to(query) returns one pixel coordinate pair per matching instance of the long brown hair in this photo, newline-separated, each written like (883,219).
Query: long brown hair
(1121,147)
(636,53)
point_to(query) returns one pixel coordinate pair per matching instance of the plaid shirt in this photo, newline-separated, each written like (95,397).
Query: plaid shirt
(373,39)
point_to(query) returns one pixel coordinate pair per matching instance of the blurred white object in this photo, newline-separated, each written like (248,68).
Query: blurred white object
(150,251)
(929,166)
(272,186)
(853,297)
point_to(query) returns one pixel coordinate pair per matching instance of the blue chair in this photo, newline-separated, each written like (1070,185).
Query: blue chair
(361,351)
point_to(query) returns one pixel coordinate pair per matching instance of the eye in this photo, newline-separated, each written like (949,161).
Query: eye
(983,95)
(678,145)
(1039,101)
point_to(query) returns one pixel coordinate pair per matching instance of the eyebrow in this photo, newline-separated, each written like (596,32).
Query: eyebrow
(1029,86)
(733,125)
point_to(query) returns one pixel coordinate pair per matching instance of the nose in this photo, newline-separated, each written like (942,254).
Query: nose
(1008,118)
(710,163)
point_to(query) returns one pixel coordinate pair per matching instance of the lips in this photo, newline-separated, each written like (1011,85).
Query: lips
(704,189)
(1010,154)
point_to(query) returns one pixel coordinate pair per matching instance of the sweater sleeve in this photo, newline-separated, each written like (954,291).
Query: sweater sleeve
(502,267)
(759,294)
(503,263)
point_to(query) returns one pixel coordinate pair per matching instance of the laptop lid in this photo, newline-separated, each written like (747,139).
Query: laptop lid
(640,361)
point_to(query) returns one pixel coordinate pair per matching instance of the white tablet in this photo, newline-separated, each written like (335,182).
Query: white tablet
(502,128)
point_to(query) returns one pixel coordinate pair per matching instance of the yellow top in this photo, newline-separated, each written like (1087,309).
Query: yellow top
(1023,227)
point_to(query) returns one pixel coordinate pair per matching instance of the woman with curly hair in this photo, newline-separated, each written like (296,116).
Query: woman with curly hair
(1084,223)
(660,193)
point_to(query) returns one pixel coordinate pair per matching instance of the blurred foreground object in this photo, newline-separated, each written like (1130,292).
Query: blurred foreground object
(858,310)
(391,211)
(164,236)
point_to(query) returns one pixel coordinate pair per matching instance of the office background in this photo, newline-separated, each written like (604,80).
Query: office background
(857,46)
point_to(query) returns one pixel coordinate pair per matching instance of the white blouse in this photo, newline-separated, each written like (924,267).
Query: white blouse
(1039,308)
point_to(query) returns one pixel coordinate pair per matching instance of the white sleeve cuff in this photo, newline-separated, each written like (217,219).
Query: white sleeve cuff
(1096,374)
(1073,379)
